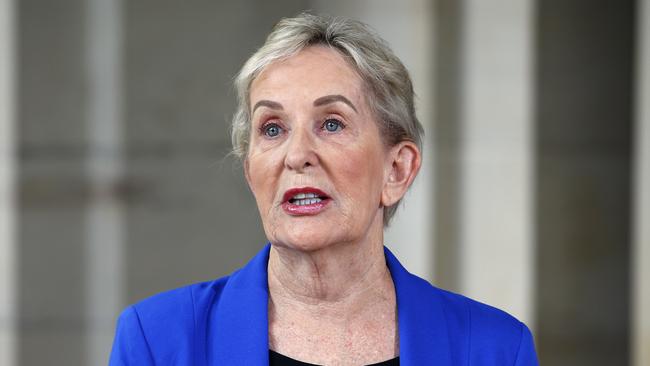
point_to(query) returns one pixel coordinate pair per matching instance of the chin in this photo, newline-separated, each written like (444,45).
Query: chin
(308,239)
(304,243)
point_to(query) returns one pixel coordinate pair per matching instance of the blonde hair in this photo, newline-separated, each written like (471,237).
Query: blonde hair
(390,97)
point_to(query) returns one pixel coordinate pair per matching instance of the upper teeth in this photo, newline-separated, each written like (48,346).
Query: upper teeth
(301,196)
(305,199)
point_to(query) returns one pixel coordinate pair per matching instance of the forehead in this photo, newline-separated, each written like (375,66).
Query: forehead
(312,72)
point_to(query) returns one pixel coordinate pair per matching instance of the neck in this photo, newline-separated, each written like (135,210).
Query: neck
(334,302)
(338,275)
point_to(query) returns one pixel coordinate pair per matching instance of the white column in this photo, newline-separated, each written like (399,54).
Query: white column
(496,223)
(640,322)
(408,28)
(105,226)
(7,186)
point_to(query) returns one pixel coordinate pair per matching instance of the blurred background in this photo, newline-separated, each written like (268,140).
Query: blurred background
(115,180)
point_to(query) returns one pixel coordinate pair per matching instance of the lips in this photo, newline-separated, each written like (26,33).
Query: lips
(304,201)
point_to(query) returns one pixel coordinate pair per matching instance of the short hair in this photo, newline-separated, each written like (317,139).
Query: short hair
(390,97)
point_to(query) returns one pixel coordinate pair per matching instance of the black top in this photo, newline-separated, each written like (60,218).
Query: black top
(277,359)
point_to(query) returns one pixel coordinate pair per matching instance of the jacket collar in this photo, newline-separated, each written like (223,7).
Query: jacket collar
(240,320)
(423,336)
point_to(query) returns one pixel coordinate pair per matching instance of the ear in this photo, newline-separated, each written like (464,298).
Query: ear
(401,169)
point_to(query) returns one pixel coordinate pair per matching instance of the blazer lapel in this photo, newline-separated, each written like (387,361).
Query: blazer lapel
(240,321)
(423,336)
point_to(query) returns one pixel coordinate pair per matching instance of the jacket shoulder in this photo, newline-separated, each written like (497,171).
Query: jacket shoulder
(176,305)
(491,336)
(480,319)
(165,326)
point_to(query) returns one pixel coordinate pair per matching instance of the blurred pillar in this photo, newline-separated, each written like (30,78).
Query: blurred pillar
(52,187)
(585,84)
(447,143)
(7,206)
(641,252)
(104,293)
(495,147)
(408,28)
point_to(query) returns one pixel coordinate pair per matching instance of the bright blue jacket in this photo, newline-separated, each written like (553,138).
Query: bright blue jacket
(224,322)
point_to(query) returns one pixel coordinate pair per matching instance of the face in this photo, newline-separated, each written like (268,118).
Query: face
(316,162)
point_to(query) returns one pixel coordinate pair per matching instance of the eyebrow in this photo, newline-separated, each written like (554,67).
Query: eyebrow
(268,104)
(328,99)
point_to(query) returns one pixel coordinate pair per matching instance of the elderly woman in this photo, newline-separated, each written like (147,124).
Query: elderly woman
(330,143)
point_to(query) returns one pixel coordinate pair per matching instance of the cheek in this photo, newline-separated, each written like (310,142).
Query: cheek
(363,174)
(261,179)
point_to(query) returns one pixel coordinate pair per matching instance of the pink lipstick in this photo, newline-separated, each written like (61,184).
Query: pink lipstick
(304,201)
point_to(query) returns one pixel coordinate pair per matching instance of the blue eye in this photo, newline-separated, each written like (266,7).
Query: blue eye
(271,130)
(333,125)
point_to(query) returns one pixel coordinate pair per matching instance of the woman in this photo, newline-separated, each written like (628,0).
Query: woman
(327,132)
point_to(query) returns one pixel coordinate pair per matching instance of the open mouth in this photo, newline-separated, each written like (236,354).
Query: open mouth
(305,201)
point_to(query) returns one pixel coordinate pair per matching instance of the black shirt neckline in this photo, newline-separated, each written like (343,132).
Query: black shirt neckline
(278,359)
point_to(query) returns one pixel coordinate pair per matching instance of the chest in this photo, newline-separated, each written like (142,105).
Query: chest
(363,339)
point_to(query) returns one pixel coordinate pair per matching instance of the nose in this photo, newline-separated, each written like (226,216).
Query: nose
(301,151)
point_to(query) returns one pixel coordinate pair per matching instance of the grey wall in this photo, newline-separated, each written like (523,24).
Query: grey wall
(640,320)
(8,142)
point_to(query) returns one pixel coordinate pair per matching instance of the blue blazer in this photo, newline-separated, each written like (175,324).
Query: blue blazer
(224,322)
